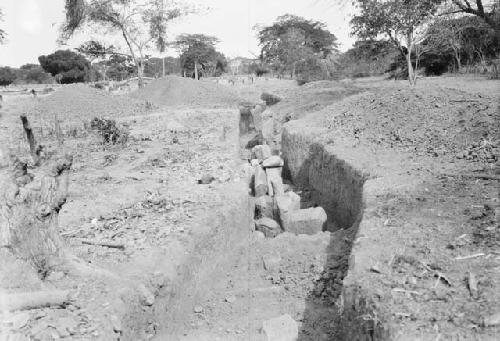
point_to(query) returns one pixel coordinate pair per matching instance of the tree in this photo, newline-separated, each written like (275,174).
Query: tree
(7,76)
(489,11)
(196,51)
(2,32)
(141,23)
(401,21)
(445,34)
(293,39)
(66,65)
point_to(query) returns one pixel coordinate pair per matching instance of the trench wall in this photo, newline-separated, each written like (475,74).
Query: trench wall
(346,195)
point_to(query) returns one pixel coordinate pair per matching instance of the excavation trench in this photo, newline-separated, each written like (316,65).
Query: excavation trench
(323,180)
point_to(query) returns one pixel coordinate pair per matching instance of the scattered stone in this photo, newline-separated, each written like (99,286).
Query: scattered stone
(260,182)
(55,276)
(146,296)
(271,262)
(375,269)
(492,320)
(116,323)
(254,141)
(206,179)
(306,221)
(472,284)
(273,161)
(264,207)
(270,99)
(230,299)
(20,320)
(175,126)
(261,152)
(259,234)
(283,328)
(268,226)
(198,309)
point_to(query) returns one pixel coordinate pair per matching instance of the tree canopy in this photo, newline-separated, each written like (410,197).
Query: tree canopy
(2,32)
(67,66)
(292,40)
(197,52)
(141,23)
(400,21)
(7,76)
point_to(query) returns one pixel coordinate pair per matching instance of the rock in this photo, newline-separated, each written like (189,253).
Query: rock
(254,162)
(254,141)
(271,262)
(198,309)
(306,221)
(283,328)
(273,161)
(174,127)
(146,296)
(55,276)
(19,320)
(264,207)
(261,152)
(274,181)
(260,182)
(230,299)
(206,179)
(286,204)
(492,320)
(259,234)
(116,323)
(268,226)
(270,99)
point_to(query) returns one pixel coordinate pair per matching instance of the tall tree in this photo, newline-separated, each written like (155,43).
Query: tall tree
(401,21)
(196,51)
(293,39)
(141,23)
(67,66)
(488,10)
(2,32)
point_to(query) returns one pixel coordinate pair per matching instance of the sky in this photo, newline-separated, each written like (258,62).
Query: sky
(32,25)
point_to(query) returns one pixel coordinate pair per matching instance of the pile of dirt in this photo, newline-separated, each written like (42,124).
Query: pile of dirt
(174,90)
(82,101)
(437,122)
(312,97)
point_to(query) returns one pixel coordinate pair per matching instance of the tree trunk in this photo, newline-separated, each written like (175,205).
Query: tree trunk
(29,213)
(140,73)
(195,70)
(411,72)
(163,66)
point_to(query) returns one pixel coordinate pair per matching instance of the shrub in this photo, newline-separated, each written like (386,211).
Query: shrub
(7,76)
(108,130)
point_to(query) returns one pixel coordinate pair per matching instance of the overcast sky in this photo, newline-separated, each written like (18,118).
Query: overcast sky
(32,25)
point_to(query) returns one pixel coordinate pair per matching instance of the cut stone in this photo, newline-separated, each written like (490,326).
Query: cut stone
(261,152)
(274,181)
(283,328)
(268,226)
(271,262)
(260,182)
(306,221)
(264,207)
(273,161)
(286,204)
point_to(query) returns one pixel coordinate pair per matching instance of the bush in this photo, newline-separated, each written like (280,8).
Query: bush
(67,66)
(108,130)
(7,76)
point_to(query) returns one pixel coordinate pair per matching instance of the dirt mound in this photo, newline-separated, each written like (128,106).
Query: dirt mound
(82,101)
(312,97)
(437,122)
(186,91)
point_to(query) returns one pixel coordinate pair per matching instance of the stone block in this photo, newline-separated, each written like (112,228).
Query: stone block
(274,181)
(260,182)
(286,204)
(282,328)
(306,221)
(261,152)
(268,226)
(273,161)
(264,207)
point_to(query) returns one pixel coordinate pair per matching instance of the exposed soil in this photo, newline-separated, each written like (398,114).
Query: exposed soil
(193,269)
